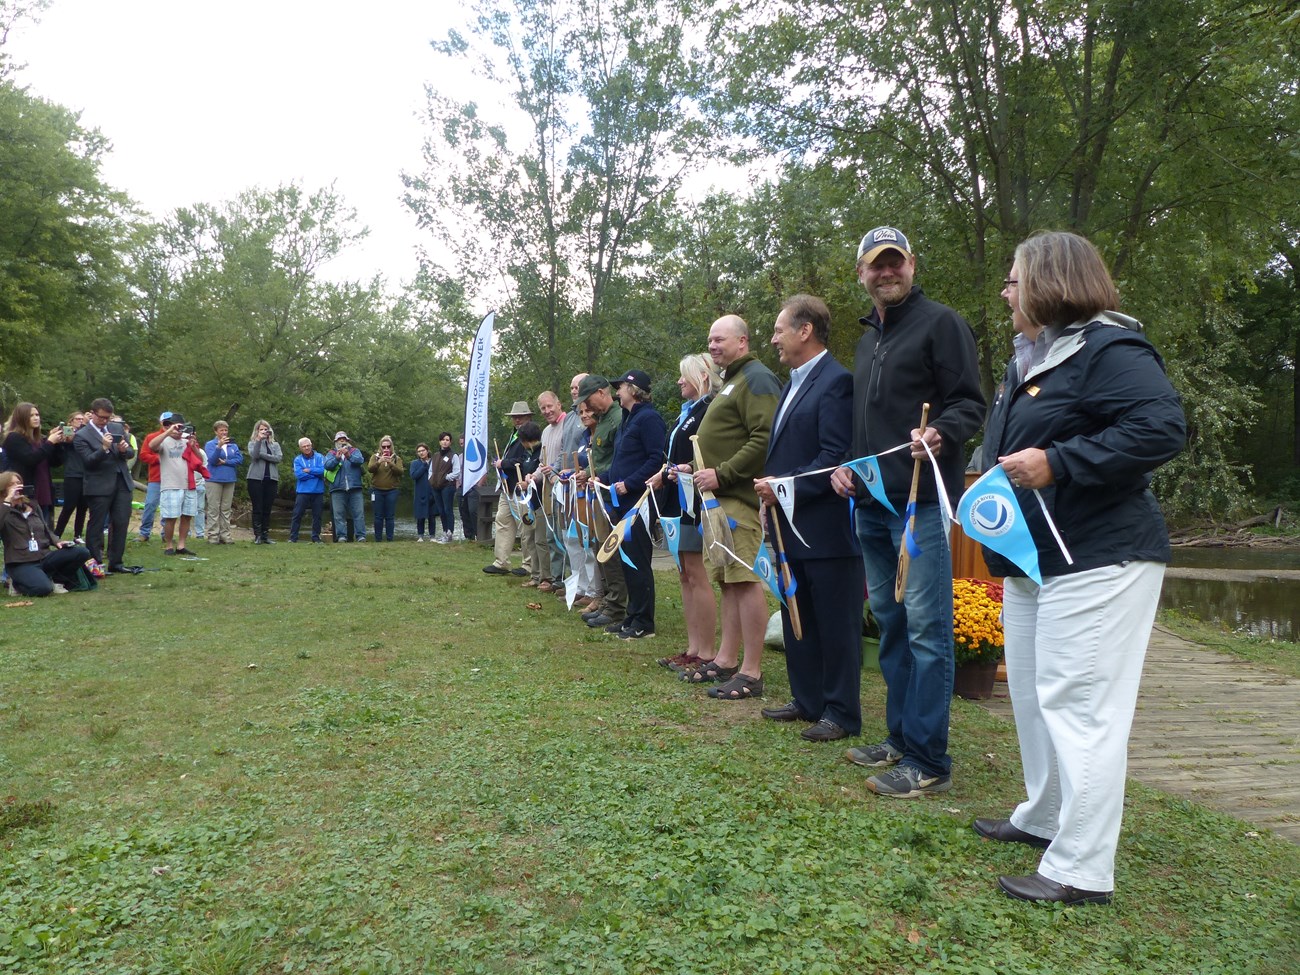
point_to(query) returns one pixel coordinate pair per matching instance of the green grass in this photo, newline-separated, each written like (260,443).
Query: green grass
(1280,655)
(373,759)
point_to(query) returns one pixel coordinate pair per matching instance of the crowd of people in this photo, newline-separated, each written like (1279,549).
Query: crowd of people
(823,470)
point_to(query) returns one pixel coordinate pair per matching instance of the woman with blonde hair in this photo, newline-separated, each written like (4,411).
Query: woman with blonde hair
(699,380)
(31,454)
(264,456)
(1083,427)
(386,469)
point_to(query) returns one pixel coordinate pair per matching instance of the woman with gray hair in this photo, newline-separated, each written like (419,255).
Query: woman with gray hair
(1083,428)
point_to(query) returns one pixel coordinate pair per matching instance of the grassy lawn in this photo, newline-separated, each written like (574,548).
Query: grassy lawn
(374,758)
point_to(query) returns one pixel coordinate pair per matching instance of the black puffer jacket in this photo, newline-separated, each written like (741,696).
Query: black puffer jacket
(1102,408)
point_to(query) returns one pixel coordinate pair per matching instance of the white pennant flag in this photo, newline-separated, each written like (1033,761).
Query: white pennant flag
(783,488)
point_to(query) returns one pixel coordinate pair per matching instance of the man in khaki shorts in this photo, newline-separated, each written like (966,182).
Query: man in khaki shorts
(733,445)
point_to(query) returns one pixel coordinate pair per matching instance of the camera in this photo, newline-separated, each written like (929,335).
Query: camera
(67,430)
(188,429)
(117,431)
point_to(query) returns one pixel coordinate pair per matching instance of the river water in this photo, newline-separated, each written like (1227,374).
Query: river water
(1251,591)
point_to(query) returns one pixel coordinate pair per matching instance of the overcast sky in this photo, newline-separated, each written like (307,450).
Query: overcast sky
(204,99)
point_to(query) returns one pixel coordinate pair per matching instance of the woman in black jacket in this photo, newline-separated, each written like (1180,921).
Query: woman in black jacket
(1083,428)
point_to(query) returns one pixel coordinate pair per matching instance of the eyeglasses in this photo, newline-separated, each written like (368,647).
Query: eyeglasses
(1011,282)
(104,416)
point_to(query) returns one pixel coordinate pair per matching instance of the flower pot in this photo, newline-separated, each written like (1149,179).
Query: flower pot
(974,682)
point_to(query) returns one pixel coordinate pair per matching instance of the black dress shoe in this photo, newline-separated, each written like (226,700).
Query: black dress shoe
(495,570)
(786,712)
(1038,888)
(119,570)
(1002,831)
(519,572)
(823,730)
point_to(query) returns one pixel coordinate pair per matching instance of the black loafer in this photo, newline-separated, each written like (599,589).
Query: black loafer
(519,572)
(1038,888)
(1002,831)
(492,570)
(786,712)
(823,730)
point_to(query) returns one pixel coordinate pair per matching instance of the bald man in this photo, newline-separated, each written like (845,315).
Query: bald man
(733,441)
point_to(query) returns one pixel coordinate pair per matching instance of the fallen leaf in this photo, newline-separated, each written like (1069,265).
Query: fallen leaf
(252,666)
(534,605)
(914,936)
(24,602)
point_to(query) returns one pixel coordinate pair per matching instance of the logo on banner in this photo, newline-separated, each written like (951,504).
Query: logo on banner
(992,514)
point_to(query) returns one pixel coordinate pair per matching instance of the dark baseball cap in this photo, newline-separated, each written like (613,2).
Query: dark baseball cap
(591,384)
(636,377)
(882,239)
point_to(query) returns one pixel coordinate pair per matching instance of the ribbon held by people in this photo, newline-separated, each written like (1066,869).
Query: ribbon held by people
(715,519)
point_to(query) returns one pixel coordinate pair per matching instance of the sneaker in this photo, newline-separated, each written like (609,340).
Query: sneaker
(420,538)
(874,756)
(60,590)
(361,538)
(614,626)
(599,620)
(440,539)
(908,782)
(633,633)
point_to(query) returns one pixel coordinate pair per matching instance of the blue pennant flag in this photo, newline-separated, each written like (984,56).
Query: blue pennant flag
(909,538)
(627,527)
(868,468)
(672,528)
(785,563)
(765,570)
(990,514)
(573,529)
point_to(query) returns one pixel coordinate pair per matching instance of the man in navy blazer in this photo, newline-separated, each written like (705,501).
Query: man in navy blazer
(107,484)
(811,431)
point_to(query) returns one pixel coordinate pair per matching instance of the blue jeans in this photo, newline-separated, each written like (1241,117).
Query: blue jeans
(151,494)
(301,505)
(385,507)
(348,505)
(915,635)
(443,505)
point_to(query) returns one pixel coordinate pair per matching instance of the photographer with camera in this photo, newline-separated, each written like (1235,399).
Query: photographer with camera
(264,456)
(224,459)
(386,469)
(31,454)
(37,562)
(178,458)
(106,481)
(348,464)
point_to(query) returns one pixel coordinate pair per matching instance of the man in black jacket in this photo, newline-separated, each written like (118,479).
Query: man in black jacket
(913,351)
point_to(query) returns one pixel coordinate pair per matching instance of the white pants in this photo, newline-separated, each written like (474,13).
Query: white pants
(1074,651)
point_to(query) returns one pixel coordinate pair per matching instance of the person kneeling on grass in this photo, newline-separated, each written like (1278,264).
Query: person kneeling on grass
(38,563)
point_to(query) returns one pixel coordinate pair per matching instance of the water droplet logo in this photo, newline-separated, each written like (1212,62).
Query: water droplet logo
(869,475)
(992,515)
(764,566)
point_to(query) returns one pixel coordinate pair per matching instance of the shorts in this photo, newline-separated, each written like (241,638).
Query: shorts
(746,535)
(690,539)
(178,502)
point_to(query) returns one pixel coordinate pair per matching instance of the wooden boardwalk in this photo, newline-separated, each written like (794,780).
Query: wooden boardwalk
(1216,730)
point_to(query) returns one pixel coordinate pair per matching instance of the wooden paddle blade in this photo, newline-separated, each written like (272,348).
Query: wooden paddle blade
(900,574)
(611,544)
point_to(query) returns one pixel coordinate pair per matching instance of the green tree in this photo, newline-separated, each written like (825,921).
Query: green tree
(62,230)
(550,206)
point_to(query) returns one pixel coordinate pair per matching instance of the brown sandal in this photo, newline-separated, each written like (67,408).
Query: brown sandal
(708,673)
(739,688)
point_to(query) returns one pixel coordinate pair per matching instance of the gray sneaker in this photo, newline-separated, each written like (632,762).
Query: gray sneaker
(908,782)
(874,756)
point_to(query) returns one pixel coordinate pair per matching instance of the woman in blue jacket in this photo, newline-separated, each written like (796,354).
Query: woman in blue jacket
(419,471)
(1083,428)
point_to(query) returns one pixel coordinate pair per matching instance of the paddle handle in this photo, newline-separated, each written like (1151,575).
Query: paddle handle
(790,604)
(904,556)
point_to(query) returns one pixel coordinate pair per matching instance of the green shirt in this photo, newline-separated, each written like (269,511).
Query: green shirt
(737,427)
(603,437)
